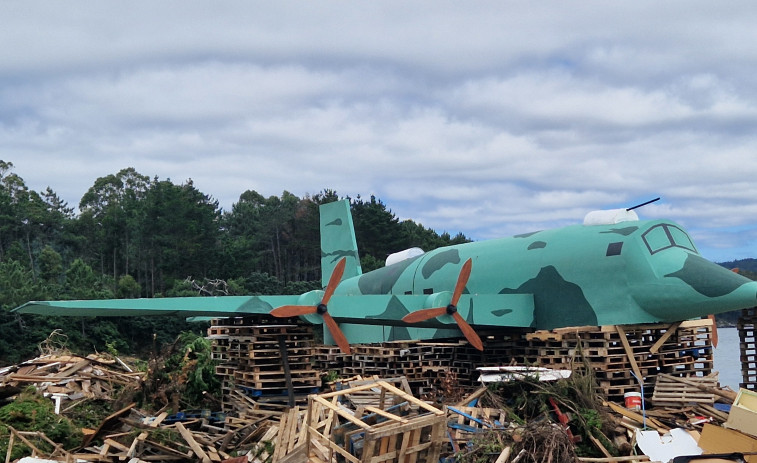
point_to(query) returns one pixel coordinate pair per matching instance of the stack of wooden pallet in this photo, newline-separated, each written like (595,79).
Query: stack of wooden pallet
(264,357)
(422,363)
(615,354)
(747,325)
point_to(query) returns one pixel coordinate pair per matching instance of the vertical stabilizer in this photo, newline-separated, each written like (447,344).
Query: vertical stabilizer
(338,240)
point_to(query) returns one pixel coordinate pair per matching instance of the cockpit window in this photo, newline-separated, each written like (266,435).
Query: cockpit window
(664,236)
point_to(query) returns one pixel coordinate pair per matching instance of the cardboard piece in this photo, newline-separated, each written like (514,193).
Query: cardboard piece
(716,439)
(668,446)
(743,414)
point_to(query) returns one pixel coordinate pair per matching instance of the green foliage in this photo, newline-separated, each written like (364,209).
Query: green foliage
(83,283)
(184,369)
(50,265)
(483,448)
(331,376)
(32,412)
(128,288)
(201,375)
(90,413)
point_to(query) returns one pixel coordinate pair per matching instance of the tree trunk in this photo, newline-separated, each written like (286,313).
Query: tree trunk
(31,258)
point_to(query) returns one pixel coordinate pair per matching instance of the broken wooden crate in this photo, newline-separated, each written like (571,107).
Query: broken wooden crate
(398,428)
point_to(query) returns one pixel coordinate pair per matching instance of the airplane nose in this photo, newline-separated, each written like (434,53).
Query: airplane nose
(699,288)
(709,279)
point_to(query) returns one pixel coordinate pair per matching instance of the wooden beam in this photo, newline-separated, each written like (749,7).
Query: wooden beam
(287,370)
(340,412)
(637,417)
(629,352)
(668,333)
(386,414)
(192,443)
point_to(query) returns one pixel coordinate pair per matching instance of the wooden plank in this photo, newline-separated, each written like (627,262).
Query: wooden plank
(73,368)
(637,417)
(296,455)
(158,419)
(133,448)
(629,353)
(672,329)
(341,413)
(386,414)
(470,398)
(115,444)
(108,420)
(598,444)
(192,443)
(282,439)
(327,444)
(410,398)
(502,458)
(11,440)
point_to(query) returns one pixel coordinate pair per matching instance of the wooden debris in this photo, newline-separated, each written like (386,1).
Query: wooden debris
(671,391)
(415,433)
(373,417)
(729,396)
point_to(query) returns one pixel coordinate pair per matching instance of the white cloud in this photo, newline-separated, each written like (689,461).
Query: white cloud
(487,118)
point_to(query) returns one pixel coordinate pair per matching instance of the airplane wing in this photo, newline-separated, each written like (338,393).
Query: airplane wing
(487,309)
(221,306)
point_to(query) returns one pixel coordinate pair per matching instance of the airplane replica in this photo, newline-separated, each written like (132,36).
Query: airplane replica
(612,270)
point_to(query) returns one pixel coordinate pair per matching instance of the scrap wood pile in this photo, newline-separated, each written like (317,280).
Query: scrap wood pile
(132,435)
(70,378)
(378,419)
(31,425)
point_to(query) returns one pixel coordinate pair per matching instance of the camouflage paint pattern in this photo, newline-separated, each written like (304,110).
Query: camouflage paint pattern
(627,273)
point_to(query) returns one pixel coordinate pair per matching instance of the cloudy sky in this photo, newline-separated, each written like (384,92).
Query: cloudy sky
(490,118)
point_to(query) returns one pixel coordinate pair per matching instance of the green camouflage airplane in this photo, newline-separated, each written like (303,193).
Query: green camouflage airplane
(611,270)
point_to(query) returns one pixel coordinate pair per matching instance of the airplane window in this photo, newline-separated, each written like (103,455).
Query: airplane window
(666,236)
(681,239)
(656,239)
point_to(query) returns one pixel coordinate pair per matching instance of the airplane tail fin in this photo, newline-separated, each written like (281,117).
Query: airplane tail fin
(338,240)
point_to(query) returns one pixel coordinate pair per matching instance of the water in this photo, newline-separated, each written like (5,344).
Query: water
(727,358)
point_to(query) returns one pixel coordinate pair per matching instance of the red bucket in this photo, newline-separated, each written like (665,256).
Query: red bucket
(633,400)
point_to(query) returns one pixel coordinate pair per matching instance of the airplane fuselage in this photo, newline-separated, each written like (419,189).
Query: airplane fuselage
(631,272)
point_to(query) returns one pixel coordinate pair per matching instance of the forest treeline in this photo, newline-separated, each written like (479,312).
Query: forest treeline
(137,236)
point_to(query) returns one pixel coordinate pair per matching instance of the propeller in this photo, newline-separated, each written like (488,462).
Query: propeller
(451,309)
(321,308)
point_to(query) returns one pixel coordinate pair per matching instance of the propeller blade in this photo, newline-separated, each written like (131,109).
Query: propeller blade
(336,333)
(293,310)
(468,332)
(424,314)
(336,278)
(462,280)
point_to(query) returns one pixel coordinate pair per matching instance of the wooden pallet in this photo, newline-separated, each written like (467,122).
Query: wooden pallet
(670,392)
